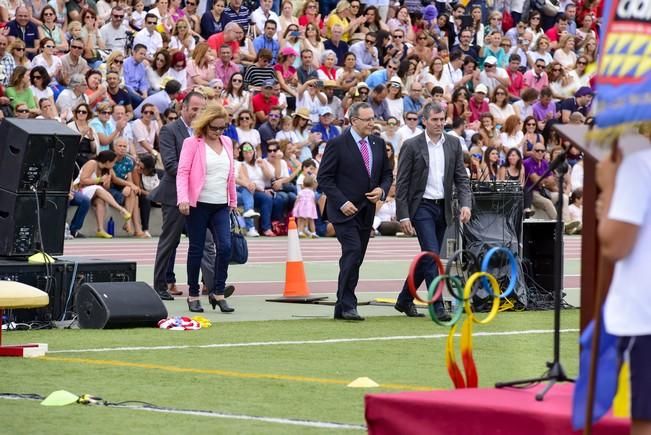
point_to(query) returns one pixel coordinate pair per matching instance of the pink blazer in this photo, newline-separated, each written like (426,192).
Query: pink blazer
(191,173)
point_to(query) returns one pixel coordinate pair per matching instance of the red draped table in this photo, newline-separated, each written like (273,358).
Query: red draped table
(480,411)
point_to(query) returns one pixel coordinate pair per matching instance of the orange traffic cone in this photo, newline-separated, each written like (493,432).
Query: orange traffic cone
(296,289)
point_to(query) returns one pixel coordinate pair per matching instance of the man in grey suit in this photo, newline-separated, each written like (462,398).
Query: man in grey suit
(430,166)
(171,140)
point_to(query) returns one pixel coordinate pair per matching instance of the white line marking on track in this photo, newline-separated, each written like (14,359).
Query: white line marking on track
(302,342)
(215,414)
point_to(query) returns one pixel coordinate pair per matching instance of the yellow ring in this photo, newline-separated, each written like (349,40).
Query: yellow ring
(467,290)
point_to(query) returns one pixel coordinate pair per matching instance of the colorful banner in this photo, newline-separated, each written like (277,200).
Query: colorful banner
(624,73)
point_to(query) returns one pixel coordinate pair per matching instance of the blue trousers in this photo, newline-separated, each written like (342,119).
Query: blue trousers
(215,218)
(83,205)
(429,223)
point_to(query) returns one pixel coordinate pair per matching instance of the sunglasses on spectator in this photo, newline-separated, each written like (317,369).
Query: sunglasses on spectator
(77,47)
(556,69)
(190,4)
(272,150)
(48,14)
(539,150)
(82,112)
(118,61)
(538,65)
(22,110)
(245,118)
(370,41)
(531,124)
(272,116)
(236,80)
(215,129)
(152,22)
(392,124)
(148,112)
(106,112)
(397,36)
(411,118)
(581,62)
(172,118)
(119,17)
(19,48)
(488,65)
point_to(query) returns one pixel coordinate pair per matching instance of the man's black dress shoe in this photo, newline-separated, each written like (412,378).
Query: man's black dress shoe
(348,315)
(443,315)
(409,309)
(164,295)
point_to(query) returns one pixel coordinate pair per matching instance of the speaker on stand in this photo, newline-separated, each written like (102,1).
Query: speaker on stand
(36,163)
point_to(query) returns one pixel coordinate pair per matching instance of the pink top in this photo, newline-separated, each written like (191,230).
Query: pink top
(191,173)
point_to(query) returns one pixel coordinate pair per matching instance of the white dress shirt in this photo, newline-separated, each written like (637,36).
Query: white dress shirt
(434,187)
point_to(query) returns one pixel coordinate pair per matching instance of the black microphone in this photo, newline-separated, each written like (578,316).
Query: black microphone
(558,161)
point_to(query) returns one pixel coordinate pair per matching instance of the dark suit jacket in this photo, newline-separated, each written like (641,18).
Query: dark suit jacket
(413,169)
(342,176)
(171,138)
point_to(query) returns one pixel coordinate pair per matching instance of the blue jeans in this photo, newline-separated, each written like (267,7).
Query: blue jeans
(83,205)
(213,217)
(429,223)
(264,203)
(245,199)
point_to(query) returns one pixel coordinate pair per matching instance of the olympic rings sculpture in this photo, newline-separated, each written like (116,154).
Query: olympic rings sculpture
(464,294)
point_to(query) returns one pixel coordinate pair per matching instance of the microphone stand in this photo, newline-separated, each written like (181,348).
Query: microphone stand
(555,372)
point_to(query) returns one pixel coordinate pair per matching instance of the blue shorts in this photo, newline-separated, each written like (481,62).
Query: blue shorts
(117,195)
(637,351)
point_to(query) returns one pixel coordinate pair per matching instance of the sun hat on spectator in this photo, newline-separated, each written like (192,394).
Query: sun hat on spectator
(288,51)
(330,84)
(269,83)
(490,60)
(361,85)
(481,89)
(247,148)
(583,91)
(395,82)
(303,112)
(430,13)
(215,82)
(325,110)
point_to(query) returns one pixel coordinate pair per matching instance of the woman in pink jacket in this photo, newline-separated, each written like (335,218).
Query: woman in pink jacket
(205,185)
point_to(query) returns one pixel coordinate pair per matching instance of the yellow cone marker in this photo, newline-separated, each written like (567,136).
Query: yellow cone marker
(363,382)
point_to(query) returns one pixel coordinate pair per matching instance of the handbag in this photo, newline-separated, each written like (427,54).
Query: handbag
(507,20)
(239,247)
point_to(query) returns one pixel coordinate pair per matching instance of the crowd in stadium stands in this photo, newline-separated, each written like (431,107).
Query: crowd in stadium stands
(287,73)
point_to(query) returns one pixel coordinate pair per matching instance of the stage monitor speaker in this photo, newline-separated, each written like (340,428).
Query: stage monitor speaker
(105,305)
(19,223)
(37,153)
(538,253)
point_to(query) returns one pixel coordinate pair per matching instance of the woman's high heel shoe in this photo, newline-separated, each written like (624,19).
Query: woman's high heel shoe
(195,306)
(223,305)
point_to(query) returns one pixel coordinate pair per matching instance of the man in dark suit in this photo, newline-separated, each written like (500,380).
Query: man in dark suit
(171,140)
(430,166)
(354,174)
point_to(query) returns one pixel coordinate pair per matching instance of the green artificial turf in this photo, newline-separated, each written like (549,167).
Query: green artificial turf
(240,380)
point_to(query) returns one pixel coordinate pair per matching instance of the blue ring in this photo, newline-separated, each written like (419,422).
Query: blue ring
(513,280)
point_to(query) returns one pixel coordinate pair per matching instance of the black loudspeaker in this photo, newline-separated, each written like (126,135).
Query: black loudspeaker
(19,223)
(538,253)
(104,305)
(37,153)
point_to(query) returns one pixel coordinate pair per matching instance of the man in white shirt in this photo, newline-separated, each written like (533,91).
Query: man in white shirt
(492,75)
(424,197)
(149,37)
(262,15)
(408,130)
(72,96)
(114,33)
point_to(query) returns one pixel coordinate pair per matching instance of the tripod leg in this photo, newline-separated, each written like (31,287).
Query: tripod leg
(540,396)
(522,382)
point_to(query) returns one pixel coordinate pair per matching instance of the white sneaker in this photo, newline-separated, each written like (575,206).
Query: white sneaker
(250,214)
(302,235)
(252,232)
